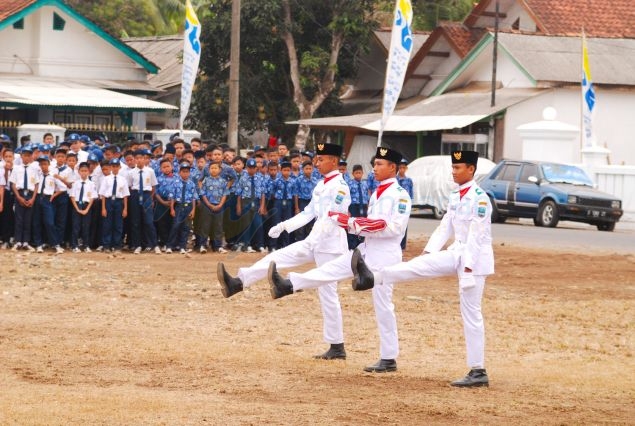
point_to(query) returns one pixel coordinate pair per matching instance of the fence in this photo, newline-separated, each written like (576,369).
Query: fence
(619,181)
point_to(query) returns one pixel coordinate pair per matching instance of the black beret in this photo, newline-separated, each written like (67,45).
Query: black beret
(467,157)
(388,154)
(328,149)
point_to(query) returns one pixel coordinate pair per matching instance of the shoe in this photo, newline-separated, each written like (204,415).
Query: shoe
(16,246)
(261,250)
(27,247)
(249,250)
(87,250)
(4,246)
(157,250)
(382,366)
(477,377)
(222,250)
(76,250)
(99,249)
(168,251)
(39,249)
(183,251)
(336,351)
(278,286)
(137,250)
(237,247)
(202,250)
(59,250)
(363,278)
(164,248)
(228,284)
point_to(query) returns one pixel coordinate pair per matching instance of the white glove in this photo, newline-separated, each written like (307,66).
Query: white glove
(466,281)
(276,230)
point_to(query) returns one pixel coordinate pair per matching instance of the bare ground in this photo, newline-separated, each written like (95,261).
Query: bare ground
(97,339)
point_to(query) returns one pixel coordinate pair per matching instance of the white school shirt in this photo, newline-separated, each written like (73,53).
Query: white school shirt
(105,190)
(17,177)
(149,179)
(90,193)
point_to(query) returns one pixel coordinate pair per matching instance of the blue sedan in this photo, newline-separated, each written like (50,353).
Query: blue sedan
(548,193)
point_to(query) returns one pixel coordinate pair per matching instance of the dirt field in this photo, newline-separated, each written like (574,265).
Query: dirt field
(96,339)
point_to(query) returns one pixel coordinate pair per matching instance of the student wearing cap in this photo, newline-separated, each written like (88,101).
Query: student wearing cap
(305,184)
(213,195)
(183,197)
(142,183)
(66,176)
(342,166)
(231,219)
(83,194)
(407,184)
(326,242)
(470,257)
(388,214)
(162,217)
(44,209)
(7,215)
(250,206)
(359,201)
(273,171)
(96,176)
(283,193)
(24,184)
(114,193)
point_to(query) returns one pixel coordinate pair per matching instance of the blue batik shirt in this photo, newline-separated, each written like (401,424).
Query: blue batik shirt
(357,187)
(406,183)
(244,186)
(279,192)
(227,172)
(165,184)
(196,174)
(371,182)
(191,191)
(269,182)
(214,189)
(316,174)
(305,186)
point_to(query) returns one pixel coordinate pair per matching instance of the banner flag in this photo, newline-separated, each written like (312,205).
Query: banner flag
(588,98)
(191,58)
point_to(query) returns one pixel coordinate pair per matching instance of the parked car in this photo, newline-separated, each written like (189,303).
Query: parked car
(548,193)
(432,181)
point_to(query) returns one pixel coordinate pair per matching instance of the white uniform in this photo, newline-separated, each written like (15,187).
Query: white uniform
(380,248)
(469,220)
(325,242)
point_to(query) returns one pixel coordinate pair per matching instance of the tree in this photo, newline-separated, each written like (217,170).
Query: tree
(291,66)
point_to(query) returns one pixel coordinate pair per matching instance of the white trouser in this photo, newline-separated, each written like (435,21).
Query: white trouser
(440,264)
(297,254)
(340,269)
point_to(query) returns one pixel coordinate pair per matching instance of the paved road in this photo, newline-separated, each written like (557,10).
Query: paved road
(566,236)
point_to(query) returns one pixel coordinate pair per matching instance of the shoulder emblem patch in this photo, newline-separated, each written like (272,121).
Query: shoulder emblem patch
(340,197)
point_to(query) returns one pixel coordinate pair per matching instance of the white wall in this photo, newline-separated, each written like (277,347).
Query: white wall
(74,53)
(613,121)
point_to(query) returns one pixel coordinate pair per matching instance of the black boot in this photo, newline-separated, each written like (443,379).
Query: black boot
(475,378)
(363,278)
(382,366)
(336,351)
(228,284)
(278,286)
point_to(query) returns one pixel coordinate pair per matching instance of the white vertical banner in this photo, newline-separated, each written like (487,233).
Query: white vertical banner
(398,58)
(191,58)
(588,98)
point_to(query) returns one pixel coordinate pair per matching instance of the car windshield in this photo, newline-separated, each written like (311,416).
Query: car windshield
(561,173)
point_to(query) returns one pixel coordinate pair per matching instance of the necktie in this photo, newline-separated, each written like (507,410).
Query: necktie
(184,182)
(6,176)
(359,192)
(326,179)
(81,194)
(114,188)
(43,184)
(253,187)
(463,191)
(61,169)
(382,188)
(284,191)
(26,179)
(140,186)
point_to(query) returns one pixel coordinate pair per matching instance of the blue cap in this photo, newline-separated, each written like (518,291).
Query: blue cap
(84,138)
(308,154)
(258,148)
(101,139)
(146,151)
(403,161)
(93,157)
(251,163)
(184,165)
(342,163)
(73,137)
(5,138)
(43,158)
(156,146)
(45,147)
(114,162)
(27,148)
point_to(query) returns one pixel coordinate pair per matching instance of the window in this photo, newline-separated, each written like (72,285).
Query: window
(509,172)
(528,170)
(516,24)
(18,25)
(58,22)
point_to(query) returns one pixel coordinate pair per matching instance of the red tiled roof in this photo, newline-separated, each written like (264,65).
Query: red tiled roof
(11,7)
(599,18)
(462,38)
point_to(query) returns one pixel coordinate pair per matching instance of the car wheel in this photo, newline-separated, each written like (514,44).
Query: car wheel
(609,226)
(548,214)
(438,213)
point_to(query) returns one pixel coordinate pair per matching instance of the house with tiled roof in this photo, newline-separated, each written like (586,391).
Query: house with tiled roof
(57,66)
(538,65)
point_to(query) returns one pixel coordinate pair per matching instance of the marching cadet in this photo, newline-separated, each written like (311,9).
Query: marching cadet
(326,242)
(359,201)
(305,184)
(406,183)
(183,197)
(7,215)
(83,194)
(388,213)
(283,194)
(44,214)
(142,183)
(213,195)
(162,217)
(470,257)
(114,195)
(24,184)
(250,206)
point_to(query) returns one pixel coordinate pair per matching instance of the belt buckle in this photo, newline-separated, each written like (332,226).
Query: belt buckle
(25,192)
(284,203)
(113,198)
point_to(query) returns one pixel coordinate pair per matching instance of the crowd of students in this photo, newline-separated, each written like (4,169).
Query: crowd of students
(88,195)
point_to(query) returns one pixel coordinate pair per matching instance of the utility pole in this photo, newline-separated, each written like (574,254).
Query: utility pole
(495,55)
(234,59)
